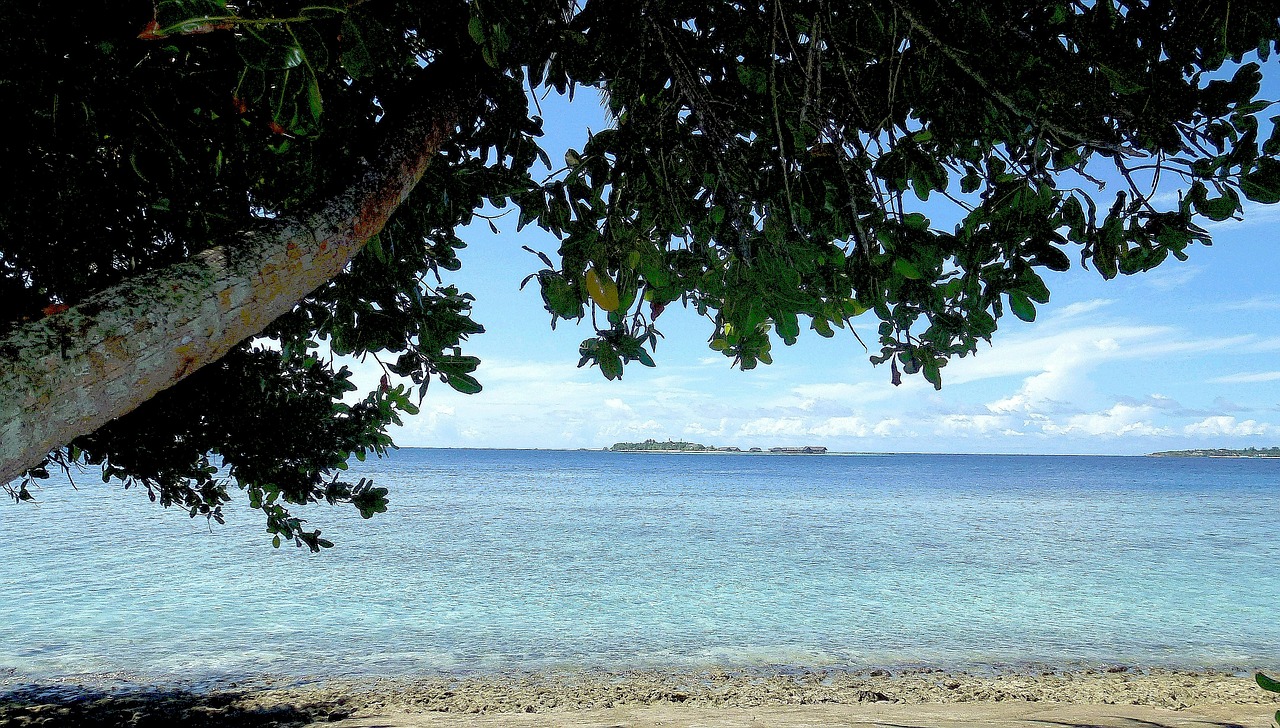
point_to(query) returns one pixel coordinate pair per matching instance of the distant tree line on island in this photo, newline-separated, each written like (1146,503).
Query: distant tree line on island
(1219,452)
(652,445)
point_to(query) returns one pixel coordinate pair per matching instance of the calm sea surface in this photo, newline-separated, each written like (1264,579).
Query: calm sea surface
(496,560)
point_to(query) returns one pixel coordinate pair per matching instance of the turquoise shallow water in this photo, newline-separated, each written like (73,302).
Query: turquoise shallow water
(497,560)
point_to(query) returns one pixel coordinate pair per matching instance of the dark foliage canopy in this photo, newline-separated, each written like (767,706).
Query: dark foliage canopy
(768,167)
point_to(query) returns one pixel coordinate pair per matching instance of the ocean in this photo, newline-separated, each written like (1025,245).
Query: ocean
(498,561)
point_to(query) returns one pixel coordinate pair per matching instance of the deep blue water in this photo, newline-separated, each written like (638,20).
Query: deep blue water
(496,560)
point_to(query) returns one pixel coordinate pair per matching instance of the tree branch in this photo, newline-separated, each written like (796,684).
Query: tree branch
(71,373)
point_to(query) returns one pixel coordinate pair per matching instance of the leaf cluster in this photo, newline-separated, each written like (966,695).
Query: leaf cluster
(778,164)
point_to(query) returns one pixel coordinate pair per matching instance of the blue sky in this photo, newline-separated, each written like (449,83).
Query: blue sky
(1185,356)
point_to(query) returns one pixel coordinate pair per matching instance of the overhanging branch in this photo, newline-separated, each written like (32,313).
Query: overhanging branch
(70,373)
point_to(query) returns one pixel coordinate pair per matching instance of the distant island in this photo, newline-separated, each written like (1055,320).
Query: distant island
(655,446)
(1220,452)
(652,445)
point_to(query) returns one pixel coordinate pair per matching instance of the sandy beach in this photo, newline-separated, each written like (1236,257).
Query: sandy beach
(1112,697)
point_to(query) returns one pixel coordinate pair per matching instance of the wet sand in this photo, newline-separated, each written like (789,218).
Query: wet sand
(1118,698)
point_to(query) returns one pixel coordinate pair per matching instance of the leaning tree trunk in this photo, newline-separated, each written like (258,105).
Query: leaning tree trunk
(70,373)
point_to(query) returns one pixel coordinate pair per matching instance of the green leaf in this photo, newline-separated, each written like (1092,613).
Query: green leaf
(1118,82)
(501,39)
(355,57)
(1022,306)
(370,501)
(1219,208)
(1033,285)
(1271,146)
(475,27)
(907,269)
(374,246)
(560,296)
(315,102)
(787,324)
(932,373)
(1107,247)
(1263,184)
(752,78)
(464,383)
(1066,158)
(610,365)
(773,231)
(927,176)
(1053,259)
(1267,683)
(915,221)
(1073,216)
(293,57)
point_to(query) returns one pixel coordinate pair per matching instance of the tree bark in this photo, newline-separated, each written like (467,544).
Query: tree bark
(70,373)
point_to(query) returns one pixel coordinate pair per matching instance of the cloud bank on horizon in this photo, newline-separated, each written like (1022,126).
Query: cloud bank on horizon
(1050,389)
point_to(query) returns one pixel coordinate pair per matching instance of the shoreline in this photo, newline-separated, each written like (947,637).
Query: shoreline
(587,693)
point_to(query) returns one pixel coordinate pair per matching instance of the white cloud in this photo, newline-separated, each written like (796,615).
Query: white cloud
(1247,378)
(842,427)
(1153,401)
(1224,426)
(980,425)
(846,394)
(1041,391)
(849,426)
(1257,303)
(891,427)
(1118,421)
(1172,275)
(1060,348)
(699,429)
(619,407)
(773,427)
(1079,308)
(1071,342)
(1058,364)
